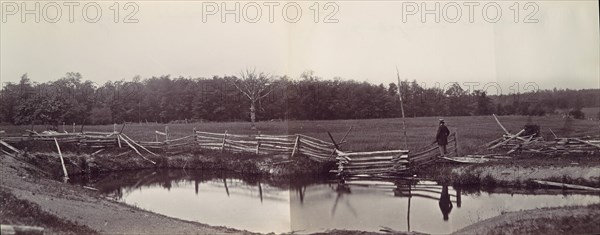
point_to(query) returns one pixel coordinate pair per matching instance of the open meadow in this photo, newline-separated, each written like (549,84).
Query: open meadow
(366,134)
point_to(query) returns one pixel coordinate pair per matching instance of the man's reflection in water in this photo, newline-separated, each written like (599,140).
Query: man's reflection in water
(445,203)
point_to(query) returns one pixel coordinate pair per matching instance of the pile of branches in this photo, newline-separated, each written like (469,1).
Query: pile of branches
(533,143)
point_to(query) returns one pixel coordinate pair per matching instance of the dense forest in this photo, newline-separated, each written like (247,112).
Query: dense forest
(163,99)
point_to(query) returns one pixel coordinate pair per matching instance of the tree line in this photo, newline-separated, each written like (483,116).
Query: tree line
(163,99)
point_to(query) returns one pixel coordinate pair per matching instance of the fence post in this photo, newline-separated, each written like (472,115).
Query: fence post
(62,161)
(119,141)
(166,133)
(257,143)
(456,142)
(114,127)
(296,145)
(194,134)
(73,127)
(223,144)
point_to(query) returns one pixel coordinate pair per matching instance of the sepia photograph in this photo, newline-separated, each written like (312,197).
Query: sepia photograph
(299,117)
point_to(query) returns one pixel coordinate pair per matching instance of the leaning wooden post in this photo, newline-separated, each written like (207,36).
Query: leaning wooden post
(119,140)
(194,134)
(333,141)
(456,142)
(62,161)
(296,145)
(114,127)
(166,133)
(223,144)
(402,109)
(122,127)
(166,143)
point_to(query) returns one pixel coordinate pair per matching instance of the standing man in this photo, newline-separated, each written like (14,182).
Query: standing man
(442,137)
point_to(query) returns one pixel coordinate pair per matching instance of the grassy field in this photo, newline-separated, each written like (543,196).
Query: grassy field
(369,134)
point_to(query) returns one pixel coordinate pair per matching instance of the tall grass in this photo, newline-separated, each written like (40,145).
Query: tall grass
(367,134)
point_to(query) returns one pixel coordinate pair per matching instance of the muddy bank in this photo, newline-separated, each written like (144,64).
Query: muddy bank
(561,220)
(280,166)
(80,209)
(16,211)
(519,172)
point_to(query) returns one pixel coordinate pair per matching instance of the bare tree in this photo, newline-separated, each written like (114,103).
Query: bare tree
(255,87)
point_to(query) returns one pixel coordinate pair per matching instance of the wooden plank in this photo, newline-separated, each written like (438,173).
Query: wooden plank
(289,144)
(387,159)
(315,155)
(315,140)
(20,229)
(305,150)
(280,136)
(9,147)
(505,141)
(283,139)
(307,140)
(209,133)
(500,124)
(211,138)
(276,146)
(136,151)
(571,186)
(180,139)
(211,144)
(252,142)
(296,143)
(132,141)
(588,143)
(316,145)
(370,153)
(234,147)
(466,160)
(223,143)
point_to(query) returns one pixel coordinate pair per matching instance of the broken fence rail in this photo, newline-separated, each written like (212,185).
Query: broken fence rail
(537,144)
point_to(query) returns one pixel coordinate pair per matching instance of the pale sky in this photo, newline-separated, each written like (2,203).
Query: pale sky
(560,50)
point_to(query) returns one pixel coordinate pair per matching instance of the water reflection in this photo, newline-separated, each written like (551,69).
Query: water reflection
(445,203)
(313,205)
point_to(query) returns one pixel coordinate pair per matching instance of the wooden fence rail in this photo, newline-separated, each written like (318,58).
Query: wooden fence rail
(311,147)
(431,152)
(372,163)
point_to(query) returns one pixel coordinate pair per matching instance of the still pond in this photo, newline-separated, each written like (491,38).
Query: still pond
(313,205)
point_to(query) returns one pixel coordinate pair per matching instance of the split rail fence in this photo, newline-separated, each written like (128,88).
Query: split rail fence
(431,153)
(292,145)
(311,147)
(372,163)
(376,163)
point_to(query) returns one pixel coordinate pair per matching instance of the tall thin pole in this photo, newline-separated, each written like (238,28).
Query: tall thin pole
(402,109)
